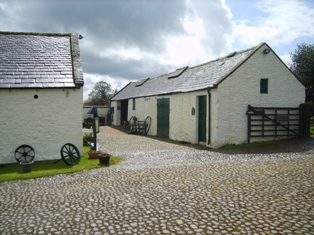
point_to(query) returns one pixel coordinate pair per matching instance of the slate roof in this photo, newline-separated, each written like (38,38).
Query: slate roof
(37,60)
(187,79)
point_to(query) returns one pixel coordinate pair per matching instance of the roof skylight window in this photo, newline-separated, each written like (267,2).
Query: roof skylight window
(178,72)
(232,54)
(142,82)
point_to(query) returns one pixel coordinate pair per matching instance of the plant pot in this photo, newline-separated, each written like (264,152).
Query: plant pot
(26,166)
(93,155)
(104,159)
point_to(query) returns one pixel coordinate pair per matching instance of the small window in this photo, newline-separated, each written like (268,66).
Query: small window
(133,103)
(264,86)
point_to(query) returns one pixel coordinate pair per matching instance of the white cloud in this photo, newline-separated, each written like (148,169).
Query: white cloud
(184,50)
(188,48)
(286,59)
(193,26)
(283,22)
(208,34)
(122,53)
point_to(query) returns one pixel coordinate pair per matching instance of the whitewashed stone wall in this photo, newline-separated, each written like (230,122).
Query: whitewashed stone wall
(184,125)
(46,123)
(243,88)
(213,117)
(116,116)
(145,106)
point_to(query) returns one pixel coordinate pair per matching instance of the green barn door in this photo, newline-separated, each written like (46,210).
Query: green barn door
(202,118)
(163,110)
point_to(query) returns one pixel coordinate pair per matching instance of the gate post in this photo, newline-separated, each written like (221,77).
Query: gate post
(305,120)
(250,111)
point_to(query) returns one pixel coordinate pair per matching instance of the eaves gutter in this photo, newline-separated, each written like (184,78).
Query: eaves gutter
(164,94)
(38,87)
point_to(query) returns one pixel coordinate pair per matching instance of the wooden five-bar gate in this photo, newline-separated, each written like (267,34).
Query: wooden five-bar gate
(278,122)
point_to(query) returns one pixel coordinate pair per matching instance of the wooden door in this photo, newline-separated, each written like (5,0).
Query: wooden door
(202,106)
(163,111)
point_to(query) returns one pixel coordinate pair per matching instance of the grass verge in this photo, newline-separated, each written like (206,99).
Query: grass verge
(14,171)
(254,144)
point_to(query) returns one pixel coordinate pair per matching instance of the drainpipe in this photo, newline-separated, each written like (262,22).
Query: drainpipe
(209,99)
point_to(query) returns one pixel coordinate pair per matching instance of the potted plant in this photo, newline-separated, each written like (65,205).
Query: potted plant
(26,166)
(95,154)
(104,159)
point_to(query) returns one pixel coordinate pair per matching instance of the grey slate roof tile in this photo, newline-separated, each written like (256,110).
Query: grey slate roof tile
(45,80)
(52,85)
(5,85)
(28,80)
(29,60)
(7,81)
(34,85)
(184,79)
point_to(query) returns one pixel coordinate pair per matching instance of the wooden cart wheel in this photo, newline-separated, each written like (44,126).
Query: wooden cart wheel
(132,123)
(147,124)
(70,154)
(24,153)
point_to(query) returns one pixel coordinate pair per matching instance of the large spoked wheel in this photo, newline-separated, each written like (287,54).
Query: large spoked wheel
(24,153)
(132,123)
(147,123)
(70,154)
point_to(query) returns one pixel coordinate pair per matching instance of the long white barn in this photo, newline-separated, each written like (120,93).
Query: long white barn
(208,103)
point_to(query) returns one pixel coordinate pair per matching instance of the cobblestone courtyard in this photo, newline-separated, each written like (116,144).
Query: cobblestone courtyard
(166,188)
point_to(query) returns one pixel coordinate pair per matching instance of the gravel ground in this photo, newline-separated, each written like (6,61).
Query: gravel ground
(163,187)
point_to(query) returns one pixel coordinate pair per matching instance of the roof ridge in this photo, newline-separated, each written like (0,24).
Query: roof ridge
(226,56)
(202,64)
(35,33)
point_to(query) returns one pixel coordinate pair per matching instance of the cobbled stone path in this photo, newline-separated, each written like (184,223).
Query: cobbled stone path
(166,188)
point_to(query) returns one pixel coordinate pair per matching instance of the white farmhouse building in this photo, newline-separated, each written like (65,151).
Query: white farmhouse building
(209,103)
(41,95)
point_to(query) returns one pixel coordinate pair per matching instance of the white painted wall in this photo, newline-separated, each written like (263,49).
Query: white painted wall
(184,125)
(145,106)
(116,116)
(46,123)
(213,116)
(243,88)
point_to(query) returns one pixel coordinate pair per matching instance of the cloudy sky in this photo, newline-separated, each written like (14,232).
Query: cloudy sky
(127,40)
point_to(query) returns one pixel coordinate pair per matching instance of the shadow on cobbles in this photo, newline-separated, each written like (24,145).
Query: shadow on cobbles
(292,145)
